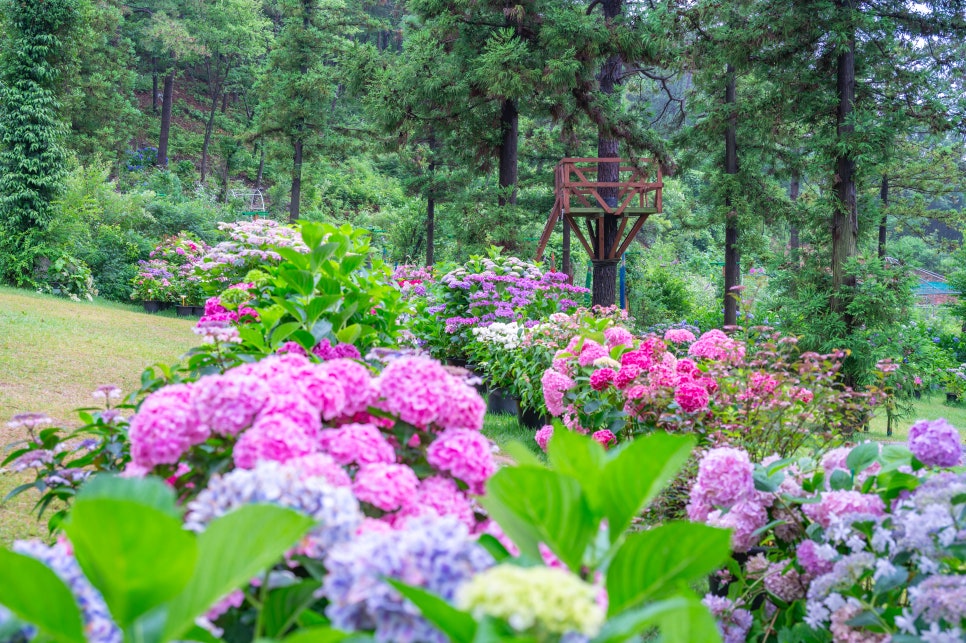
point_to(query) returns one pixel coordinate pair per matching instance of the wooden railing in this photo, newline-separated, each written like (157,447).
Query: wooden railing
(639,195)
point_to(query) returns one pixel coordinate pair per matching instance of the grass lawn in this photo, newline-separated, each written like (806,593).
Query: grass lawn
(54,353)
(930,407)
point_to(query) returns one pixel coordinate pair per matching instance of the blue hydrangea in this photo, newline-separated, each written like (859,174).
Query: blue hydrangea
(437,554)
(335,508)
(98,625)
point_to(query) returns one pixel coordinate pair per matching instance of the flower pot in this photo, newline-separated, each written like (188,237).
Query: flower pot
(198,311)
(532,419)
(952,397)
(499,402)
(184,311)
(165,305)
(917,395)
(151,306)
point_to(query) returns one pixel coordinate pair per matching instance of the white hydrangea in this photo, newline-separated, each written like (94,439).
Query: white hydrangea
(551,599)
(506,335)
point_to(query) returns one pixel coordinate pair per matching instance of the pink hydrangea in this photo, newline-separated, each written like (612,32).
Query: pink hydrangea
(228,403)
(441,497)
(292,347)
(385,486)
(357,384)
(691,397)
(165,427)
(810,558)
(296,409)
(325,351)
(839,504)
(679,336)
(571,420)
(605,438)
(590,352)
(357,444)
(744,518)
(321,465)
(416,389)
(640,358)
(602,378)
(687,367)
(464,454)
(464,408)
(627,374)
(716,345)
(555,385)
(618,336)
(543,436)
(787,585)
(803,395)
(725,477)
(233,600)
(274,437)
(664,373)
(936,443)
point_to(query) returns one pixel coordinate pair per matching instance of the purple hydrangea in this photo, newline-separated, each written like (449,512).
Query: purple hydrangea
(99,627)
(733,621)
(935,443)
(287,485)
(436,554)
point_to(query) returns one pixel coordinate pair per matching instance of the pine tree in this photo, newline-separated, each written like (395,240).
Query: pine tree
(32,156)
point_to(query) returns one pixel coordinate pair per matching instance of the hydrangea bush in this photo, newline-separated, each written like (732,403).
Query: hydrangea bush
(866,544)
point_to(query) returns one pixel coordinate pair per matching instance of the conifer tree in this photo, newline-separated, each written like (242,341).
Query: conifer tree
(32,156)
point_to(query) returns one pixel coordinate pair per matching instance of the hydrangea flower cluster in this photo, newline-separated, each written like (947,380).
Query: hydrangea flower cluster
(436,554)
(876,555)
(286,409)
(504,335)
(936,443)
(548,599)
(724,495)
(99,627)
(305,488)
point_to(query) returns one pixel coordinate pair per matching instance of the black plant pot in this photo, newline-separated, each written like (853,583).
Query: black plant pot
(184,311)
(151,306)
(198,311)
(165,305)
(499,402)
(917,395)
(532,419)
(952,397)
(720,588)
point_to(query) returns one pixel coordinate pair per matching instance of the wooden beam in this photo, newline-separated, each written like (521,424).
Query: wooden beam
(630,237)
(548,229)
(580,235)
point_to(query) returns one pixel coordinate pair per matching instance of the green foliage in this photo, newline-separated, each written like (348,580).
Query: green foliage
(32,157)
(155,577)
(648,574)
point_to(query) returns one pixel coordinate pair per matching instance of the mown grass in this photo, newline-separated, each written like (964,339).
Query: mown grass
(930,407)
(54,353)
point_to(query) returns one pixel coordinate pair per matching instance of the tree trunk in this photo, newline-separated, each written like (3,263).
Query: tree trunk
(509,137)
(261,165)
(793,189)
(154,84)
(209,128)
(166,102)
(430,229)
(224,102)
(732,258)
(604,292)
(295,203)
(884,197)
(845,220)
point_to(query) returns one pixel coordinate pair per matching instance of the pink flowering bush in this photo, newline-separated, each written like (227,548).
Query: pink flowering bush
(866,544)
(753,390)
(381,434)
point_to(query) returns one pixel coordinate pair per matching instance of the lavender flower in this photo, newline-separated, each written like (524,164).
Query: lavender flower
(434,553)
(286,485)
(936,443)
(98,625)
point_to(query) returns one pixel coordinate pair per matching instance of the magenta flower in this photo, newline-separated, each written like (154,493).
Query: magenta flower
(543,436)
(605,438)
(555,385)
(618,336)
(602,378)
(165,427)
(691,397)
(839,504)
(679,336)
(274,437)
(386,486)
(357,444)
(464,454)
(228,404)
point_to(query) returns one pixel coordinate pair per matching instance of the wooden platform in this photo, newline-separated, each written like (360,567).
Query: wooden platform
(639,195)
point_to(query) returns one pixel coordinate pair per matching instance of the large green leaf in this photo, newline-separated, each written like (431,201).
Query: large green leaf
(535,505)
(456,624)
(631,623)
(231,551)
(658,562)
(35,594)
(284,605)
(152,492)
(302,281)
(637,474)
(137,556)
(689,624)
(579,457)
(323,634)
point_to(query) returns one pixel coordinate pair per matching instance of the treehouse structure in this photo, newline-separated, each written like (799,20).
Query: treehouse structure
(584,204)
